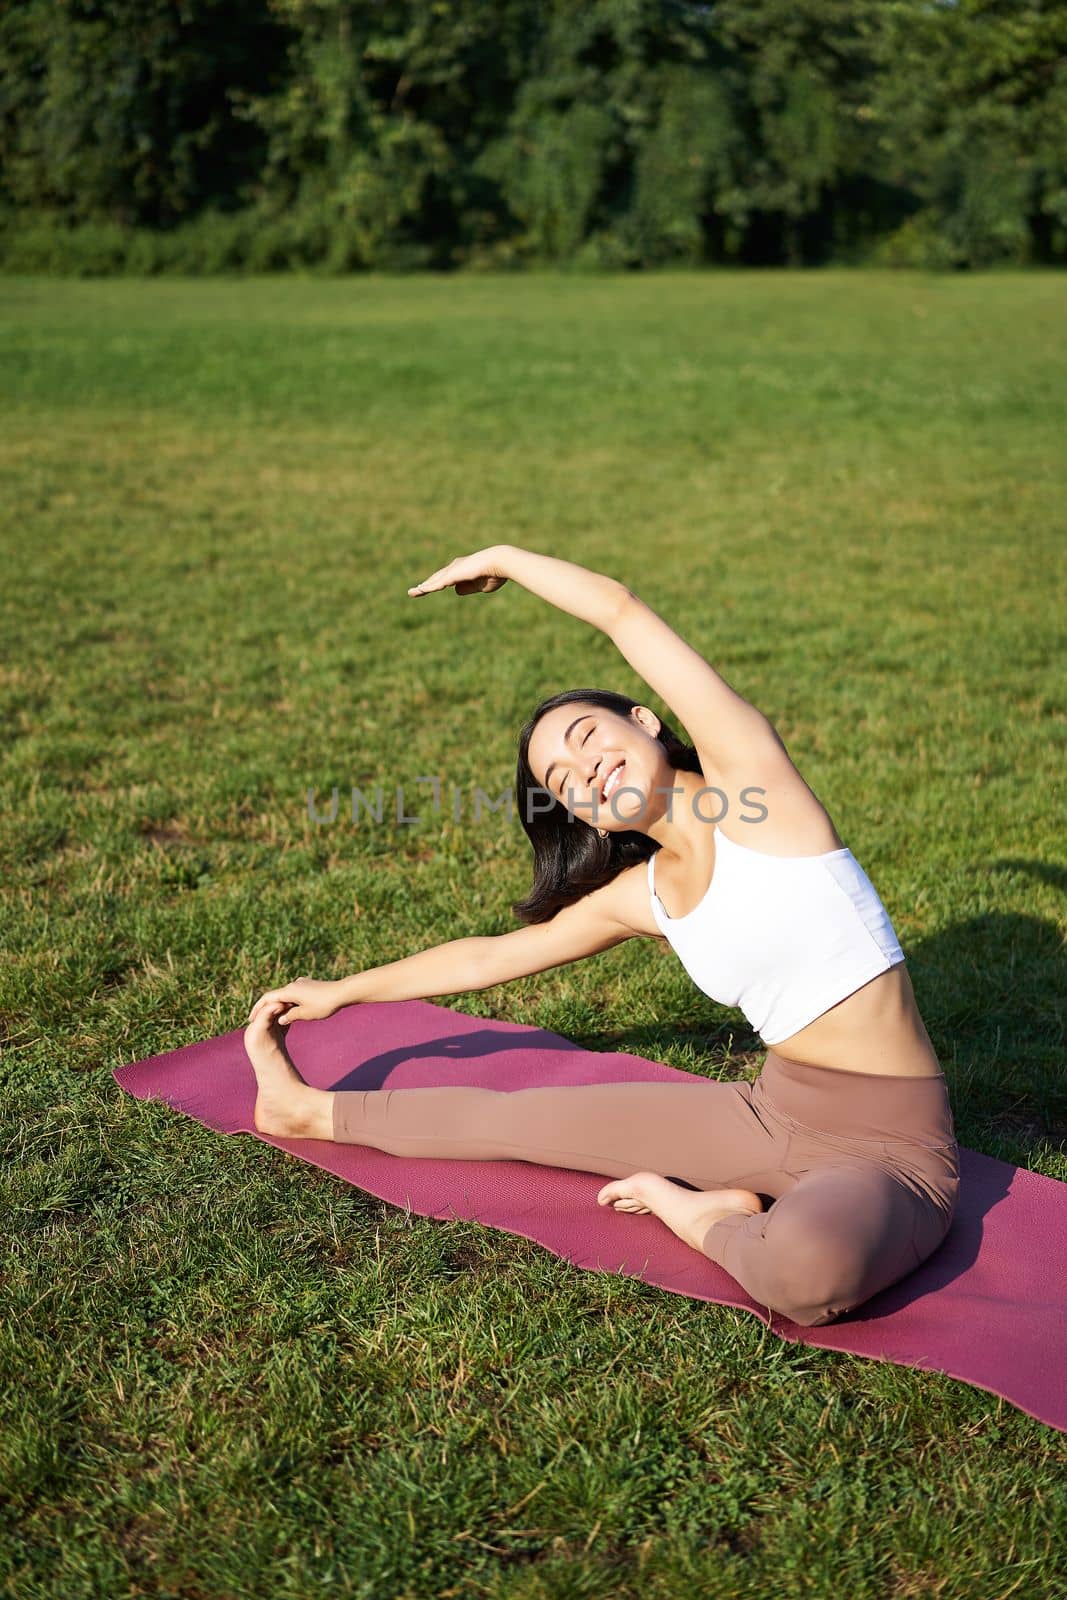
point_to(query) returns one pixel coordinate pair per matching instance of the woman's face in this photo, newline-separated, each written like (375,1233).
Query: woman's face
(575,750)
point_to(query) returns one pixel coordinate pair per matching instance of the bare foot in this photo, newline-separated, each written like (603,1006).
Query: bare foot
(286,1106)
(688,1213)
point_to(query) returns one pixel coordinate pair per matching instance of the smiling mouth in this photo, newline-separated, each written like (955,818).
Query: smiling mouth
(604,787)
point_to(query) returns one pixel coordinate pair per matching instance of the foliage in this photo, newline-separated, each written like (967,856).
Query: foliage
(972,98)
(619,133)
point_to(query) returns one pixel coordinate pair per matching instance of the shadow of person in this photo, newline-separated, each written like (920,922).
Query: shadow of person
(469,1046)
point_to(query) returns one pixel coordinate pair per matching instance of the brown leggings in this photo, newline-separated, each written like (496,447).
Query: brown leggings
(861,1169)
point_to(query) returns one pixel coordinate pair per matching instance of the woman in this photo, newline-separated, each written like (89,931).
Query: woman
(720,850)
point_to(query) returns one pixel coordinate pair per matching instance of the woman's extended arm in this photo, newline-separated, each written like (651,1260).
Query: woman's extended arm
(585,928)
(450,968)
(726,728)
(590,596)
(723,725)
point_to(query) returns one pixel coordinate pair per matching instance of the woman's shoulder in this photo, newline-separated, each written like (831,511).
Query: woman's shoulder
(629,901)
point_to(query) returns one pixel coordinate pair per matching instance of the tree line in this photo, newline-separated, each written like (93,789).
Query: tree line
(220,135)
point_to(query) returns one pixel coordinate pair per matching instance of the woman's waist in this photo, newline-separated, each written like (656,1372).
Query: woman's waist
(873,1108)
(875,1031)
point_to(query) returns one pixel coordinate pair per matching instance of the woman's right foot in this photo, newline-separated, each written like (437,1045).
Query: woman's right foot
(686,1212)
(286,1106)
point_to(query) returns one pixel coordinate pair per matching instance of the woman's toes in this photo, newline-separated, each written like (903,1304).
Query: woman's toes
(629,1194)
(265,1030)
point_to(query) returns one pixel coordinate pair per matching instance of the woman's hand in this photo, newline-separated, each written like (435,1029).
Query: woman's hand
(479,573)
(308,999)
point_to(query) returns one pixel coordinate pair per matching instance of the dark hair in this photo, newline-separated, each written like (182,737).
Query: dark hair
(570,860)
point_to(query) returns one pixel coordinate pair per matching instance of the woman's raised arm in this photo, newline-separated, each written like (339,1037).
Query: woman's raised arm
(725,727)
(590,596)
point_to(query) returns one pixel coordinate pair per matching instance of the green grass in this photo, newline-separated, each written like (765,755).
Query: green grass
(225,1373)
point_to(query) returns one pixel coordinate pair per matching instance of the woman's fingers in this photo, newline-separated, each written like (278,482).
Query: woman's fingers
(285,995)
(263,1001)
(473,574)
(437,580)
(272,1011)
(479,585)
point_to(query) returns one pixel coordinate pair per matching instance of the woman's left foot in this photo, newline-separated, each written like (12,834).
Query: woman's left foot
(286,1106)
(688,1213)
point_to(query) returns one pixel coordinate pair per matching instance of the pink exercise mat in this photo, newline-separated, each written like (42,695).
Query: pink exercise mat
(989,1306)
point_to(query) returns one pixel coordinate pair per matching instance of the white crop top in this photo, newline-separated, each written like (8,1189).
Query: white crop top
(784,938)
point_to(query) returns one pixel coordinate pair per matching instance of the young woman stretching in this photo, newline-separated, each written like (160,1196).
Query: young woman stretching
(847,1132)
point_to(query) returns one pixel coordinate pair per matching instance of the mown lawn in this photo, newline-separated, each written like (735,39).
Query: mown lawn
(226,1373)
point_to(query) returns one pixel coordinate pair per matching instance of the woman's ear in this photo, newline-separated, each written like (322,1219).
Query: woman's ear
(648,720)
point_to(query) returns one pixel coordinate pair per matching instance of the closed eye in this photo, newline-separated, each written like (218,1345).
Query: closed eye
(589,735)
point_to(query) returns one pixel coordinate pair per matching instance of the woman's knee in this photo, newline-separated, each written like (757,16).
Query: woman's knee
(815,1267)
(820,1263)
(815,1280)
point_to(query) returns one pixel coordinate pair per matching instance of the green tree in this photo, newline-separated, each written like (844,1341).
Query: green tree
(122,109)
(384,108)
(971,104)
(392,133)
(806,74)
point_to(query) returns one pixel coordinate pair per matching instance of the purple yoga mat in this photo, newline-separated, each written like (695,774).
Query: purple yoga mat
(989,1306)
